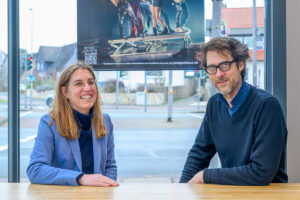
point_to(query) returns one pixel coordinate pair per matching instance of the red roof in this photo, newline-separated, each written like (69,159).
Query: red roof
(242,17)
(259,54)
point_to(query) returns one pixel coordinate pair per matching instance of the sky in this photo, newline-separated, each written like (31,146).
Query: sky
(54,21)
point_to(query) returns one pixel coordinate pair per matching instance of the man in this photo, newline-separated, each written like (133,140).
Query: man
(243,124)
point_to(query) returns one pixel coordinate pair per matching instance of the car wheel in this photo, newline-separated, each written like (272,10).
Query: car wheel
(49,102)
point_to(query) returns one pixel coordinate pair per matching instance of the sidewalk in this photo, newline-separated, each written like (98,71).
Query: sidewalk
(186,104)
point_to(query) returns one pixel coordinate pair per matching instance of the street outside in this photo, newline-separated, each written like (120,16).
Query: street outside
(148,148)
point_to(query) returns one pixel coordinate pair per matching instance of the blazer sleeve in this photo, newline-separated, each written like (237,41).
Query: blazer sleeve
(40,170)
(111,166)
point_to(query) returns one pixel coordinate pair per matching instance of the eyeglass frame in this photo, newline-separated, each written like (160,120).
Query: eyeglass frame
(218,66)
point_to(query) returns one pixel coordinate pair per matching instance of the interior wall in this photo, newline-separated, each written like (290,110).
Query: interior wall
(293,89)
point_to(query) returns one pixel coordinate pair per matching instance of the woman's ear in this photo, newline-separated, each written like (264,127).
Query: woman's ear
(64,91)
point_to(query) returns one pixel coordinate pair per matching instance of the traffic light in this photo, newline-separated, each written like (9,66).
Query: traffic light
(29,62)
(122,73)
(23,63)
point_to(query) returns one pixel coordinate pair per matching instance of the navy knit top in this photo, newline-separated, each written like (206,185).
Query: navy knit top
(84,123)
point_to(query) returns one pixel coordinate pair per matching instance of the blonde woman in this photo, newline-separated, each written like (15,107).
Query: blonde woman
(75,142)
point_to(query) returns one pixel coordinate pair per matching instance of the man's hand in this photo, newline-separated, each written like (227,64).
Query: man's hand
(198,178)
(97,180)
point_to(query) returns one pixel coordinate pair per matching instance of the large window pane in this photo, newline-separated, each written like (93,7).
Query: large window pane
(148,147)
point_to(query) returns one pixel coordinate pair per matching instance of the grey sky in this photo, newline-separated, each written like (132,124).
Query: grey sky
(54,21)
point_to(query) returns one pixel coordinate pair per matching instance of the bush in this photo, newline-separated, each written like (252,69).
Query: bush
(45,87)
(152,88)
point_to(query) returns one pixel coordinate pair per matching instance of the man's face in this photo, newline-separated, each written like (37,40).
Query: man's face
(228,82)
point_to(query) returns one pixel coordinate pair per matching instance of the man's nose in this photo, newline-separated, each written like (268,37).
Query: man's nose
(219,73)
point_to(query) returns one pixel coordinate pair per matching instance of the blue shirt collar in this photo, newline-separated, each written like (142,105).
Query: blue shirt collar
(238,100)
(241,95)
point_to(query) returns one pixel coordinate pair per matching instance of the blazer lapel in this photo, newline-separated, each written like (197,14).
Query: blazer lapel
(97,152)
(74,144)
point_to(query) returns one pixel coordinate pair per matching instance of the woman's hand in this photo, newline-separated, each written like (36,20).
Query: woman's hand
(198,178)
(97,180)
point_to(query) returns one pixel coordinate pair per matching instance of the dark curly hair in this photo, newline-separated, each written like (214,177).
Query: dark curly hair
(225,46)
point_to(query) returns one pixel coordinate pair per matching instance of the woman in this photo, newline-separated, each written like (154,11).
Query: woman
(156,10)
(75,142)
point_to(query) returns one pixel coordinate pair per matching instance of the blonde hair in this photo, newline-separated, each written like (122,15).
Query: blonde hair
(62,113)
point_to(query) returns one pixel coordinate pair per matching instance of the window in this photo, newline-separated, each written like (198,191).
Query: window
(3,93)
(148,147)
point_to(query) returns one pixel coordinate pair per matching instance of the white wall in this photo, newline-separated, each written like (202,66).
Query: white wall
(135,78)
(260,73)
(105,76)
(293,89)
(177,78)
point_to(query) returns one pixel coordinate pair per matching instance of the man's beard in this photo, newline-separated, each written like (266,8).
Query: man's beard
(229,89)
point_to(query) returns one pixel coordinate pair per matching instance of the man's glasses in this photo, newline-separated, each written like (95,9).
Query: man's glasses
(81,84)
(223,66)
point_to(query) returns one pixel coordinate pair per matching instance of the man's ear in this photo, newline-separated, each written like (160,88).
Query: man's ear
(241,66)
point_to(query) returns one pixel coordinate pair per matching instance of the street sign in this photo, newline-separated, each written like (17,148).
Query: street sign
(31,77)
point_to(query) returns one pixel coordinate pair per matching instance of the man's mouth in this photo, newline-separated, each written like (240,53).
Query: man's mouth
(221,82)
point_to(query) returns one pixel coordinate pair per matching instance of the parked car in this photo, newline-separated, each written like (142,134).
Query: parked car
(22,87)
(199,94)
(49,100)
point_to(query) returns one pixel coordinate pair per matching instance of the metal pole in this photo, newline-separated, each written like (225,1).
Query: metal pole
(198,94)
(216,32)
(25,76)
(13,92)
(170,96)
(145,93)
(31,52)
(216,29)
(30,90)
(269,45)
(117,90)
(254,30)
(216,18)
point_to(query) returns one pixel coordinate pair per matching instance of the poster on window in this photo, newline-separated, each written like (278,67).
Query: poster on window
(140,34)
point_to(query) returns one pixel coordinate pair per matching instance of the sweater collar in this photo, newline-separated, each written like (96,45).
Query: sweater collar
(83,121)
(239,98)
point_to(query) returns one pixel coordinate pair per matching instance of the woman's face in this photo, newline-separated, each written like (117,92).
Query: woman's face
(81,91)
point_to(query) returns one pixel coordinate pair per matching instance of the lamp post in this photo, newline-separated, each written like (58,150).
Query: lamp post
(31,53)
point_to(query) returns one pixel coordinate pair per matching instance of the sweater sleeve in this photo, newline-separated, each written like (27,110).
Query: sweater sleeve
(200,154)
(268,146)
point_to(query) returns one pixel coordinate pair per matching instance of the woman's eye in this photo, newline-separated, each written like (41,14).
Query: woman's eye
(78,84)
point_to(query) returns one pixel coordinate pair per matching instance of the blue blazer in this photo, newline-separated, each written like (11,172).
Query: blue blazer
(57,160)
